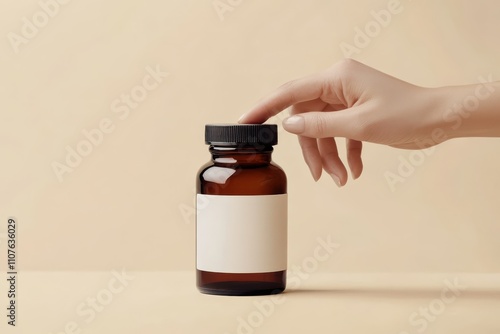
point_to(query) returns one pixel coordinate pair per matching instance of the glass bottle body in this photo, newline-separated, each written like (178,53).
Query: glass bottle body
(241,171)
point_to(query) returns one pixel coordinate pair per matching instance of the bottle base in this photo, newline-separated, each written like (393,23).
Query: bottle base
(254,284)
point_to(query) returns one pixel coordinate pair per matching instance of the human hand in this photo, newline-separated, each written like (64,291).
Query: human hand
(353,101)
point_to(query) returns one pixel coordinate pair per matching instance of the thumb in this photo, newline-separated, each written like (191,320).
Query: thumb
(323,124)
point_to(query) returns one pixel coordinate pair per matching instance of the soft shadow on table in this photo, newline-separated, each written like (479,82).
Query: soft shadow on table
(385,292)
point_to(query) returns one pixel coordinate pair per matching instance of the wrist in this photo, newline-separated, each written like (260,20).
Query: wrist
(434,126)
(447,110)
(471,110)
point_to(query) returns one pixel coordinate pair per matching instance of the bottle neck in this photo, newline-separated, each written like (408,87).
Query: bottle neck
(248,155)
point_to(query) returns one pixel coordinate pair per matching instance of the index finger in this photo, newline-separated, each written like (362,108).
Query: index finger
(292,92)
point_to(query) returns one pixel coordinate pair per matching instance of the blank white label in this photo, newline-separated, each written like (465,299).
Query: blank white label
(241,234)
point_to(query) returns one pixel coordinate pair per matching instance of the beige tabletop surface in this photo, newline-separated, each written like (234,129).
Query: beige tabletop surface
(168,302)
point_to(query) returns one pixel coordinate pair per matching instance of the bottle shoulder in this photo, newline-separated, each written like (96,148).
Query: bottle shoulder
(241,179)
(242,168)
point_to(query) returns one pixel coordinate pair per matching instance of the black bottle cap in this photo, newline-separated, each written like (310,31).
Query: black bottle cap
(231,134)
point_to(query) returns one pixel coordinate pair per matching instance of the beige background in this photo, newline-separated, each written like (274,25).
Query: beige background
(128,204)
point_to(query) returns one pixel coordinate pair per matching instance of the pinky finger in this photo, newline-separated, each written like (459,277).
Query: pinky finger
(354,148)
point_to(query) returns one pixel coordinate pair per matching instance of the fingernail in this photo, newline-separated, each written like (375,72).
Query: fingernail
(308,163)
(294,124)
(355,175)
(241,117)
(314,177)
(336,179)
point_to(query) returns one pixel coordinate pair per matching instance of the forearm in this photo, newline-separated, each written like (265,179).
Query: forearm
(469,111)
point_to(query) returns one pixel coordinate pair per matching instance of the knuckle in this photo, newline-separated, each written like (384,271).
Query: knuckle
(346,67)
(287,85)
(287,91)
(319,126)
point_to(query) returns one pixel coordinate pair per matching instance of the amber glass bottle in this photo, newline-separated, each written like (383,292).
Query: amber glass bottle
(241,213)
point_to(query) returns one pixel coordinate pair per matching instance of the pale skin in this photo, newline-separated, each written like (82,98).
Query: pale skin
(361,104)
